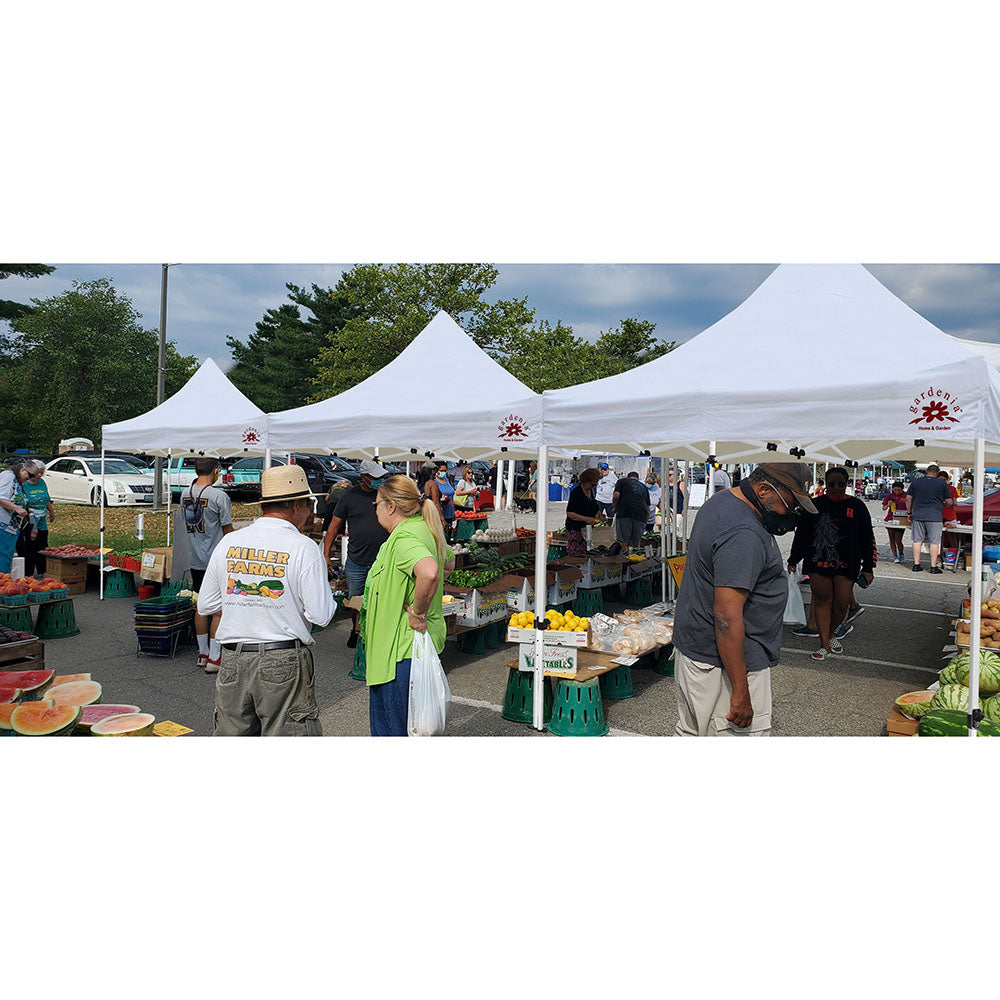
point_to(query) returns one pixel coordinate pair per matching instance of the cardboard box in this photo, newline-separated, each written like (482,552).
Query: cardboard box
(579,639)
(482,604)
(527,545)
(602,536)
(75,589)
(899,725)
(560,660)
(66,570)
(561,583)
(637,570)
(156,564)
(596,571)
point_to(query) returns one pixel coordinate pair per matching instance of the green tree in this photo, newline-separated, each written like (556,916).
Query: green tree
(82,359)
(276,366)
(553,357)
(396,301)
(12,310)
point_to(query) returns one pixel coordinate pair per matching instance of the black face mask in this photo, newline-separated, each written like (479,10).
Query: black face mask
(774,523)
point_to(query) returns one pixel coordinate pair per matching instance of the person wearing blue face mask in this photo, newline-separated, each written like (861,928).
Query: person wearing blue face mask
(356,510)
(442,492)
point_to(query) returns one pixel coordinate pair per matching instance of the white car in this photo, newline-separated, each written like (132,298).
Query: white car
(78,480)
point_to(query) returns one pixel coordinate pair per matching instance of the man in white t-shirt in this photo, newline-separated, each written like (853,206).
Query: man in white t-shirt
(720,478)
(206,515)
(604,491)
(270,583)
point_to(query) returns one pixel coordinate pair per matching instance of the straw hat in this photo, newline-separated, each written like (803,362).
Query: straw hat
(284,482)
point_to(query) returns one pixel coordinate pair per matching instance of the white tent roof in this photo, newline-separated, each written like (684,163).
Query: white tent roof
(987,350)
(209,415)
(442,395)
(821,357)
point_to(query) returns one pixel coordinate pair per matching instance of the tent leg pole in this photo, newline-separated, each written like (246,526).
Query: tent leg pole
(541,554)
(267,458)
(684,522)
(169,460)
(498,499)
(977,575)
(100,543)
(663,532)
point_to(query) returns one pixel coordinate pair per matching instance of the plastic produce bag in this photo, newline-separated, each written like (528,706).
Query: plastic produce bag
(430,694)
(795,609)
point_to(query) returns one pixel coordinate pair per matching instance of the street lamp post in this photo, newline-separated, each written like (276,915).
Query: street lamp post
(161,371)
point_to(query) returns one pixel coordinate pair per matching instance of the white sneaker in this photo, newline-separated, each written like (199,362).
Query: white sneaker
(202,659)
(212,666)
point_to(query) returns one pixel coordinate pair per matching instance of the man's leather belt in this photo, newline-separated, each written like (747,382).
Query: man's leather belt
(260,647)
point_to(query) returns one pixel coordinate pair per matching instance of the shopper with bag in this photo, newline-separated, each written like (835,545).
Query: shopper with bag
(402,600)
(12,510)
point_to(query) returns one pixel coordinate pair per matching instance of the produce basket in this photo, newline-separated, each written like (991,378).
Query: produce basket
(39,597)
(162,605)
(14,600)
(59,595)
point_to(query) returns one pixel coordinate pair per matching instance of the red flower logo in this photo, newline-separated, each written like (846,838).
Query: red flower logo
(250,436)
(512,428)
(935,410)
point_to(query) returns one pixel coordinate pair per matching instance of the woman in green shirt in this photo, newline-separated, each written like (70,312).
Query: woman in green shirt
(35,535)
(402,596)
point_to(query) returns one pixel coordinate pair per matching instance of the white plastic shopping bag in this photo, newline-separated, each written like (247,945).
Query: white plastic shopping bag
(430,694)
(795,609)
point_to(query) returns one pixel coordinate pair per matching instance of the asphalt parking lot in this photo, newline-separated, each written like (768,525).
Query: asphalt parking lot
(896,646)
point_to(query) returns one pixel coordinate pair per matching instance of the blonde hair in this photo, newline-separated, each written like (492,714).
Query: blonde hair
(408,500)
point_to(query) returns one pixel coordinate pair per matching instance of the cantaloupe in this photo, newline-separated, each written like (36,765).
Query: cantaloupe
(134,724)
(78,693)
(43,718)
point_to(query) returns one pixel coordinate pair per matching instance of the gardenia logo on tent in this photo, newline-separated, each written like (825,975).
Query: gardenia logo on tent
(513,428)
(936,410)
(251,436)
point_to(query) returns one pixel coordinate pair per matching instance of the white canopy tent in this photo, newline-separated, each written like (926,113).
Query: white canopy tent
(441,390)
(987,350)
(822,352)
(207,416)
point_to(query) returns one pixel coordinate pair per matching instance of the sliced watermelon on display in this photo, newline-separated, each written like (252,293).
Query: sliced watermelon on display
(75,693)
(133,724)
(5,713)
(95,713)
(8,694)
(31,682)
(914,704)
(69,678)
(42,718)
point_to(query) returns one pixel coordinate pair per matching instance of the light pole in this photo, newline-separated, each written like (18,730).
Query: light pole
(161,373)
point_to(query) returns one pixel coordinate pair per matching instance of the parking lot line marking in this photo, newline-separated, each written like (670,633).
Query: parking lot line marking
(474,703)
(863,659)
(916,611)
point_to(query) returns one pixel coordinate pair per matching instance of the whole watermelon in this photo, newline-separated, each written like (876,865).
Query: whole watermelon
(947,722)
(952,696)
(991,708)
(989,670)
(949,675)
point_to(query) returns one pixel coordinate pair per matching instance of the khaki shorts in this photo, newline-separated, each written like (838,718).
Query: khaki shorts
(266,694)
(703,693)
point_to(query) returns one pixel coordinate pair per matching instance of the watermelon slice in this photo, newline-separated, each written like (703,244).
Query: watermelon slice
(31,682)
(5,714)
(95,713)
(8,694)
(133,724)
(69,678)
(43,718)
(75,693)
(914,704)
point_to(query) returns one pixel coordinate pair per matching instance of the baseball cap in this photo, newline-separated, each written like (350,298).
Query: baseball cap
(604,465)
(373,469)
(794,476)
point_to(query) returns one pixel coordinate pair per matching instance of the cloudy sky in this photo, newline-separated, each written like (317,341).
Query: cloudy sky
(208,302)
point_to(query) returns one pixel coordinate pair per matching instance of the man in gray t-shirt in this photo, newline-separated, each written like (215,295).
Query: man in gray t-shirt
(206,515)
(925,503)
(727,627)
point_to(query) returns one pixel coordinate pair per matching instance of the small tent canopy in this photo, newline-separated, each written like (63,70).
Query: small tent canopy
(209,416)
(442,395)
(824,355)
(987,350)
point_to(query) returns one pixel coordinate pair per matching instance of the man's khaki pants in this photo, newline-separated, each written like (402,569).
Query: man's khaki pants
(703,693)
(266,694)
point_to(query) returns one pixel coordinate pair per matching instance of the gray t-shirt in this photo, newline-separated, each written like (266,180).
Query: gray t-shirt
(730,548)
(929,494)
(206,511)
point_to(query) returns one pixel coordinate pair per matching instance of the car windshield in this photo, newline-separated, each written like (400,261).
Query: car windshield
(335,464)
(112,467)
